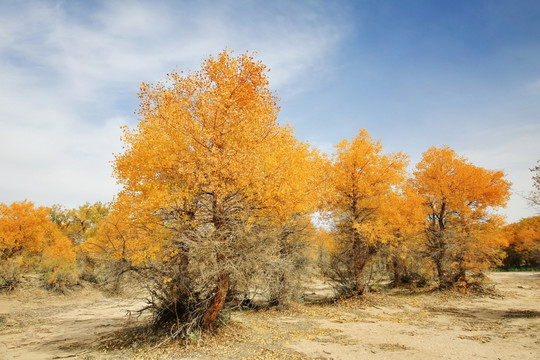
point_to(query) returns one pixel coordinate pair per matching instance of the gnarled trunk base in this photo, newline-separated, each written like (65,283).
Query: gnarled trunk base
(212,313)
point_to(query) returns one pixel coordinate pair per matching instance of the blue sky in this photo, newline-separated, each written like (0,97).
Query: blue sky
(413,73)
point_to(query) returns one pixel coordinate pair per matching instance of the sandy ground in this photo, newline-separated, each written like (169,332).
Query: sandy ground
(37,324)
(396,324)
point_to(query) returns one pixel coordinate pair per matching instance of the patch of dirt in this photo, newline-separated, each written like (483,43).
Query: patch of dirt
(38,324)
(397,324)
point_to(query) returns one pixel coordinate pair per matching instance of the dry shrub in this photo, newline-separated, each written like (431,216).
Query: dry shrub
(116,277)
(10,273)
(182,286)
(338,266)
(259,261)
(87,266)
(410,267)
(109,274)
(287,263)
(59,275)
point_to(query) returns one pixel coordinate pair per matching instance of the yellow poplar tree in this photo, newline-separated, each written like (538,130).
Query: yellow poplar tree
(22,229)
(404,225)
(523,243)
(364,184)
(458,197)
(80,223)
(206,163)
(29,237)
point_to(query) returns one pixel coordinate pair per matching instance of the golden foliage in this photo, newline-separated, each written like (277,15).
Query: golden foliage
(525,234)
(26,233)
(26,229)
(208,143)
(453,188)
(523,242)
(122,239)
(207,171)
(363,199)
(365,187)
(22,228)
(80,223)
(458,197)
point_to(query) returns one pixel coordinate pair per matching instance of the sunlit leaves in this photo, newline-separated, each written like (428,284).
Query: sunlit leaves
(209,142)
(364,191)
(364,186)
(26,230)
(458,197)
(523,242)
(79,223)
(454,188)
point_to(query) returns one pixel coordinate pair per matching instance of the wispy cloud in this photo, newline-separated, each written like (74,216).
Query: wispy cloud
(70,72)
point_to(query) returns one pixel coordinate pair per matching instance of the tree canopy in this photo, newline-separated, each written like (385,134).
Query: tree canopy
(207,162)
(458,197)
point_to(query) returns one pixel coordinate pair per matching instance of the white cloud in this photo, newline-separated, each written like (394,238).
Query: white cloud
(59,164)
(70,72)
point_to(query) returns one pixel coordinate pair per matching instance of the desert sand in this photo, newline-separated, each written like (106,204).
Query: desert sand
(393,324)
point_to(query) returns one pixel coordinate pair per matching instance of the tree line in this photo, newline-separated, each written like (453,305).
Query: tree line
(217,200)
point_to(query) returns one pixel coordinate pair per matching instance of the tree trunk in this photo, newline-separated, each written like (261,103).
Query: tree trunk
(444,281)
(278,297)
(361,255)
(218,301)
(222,286)
(396,264)
(358,271)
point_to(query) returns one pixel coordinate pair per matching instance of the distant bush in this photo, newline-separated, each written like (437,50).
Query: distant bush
(29,241)
(10,273)
(60,276)
(516,268)
(523,250)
